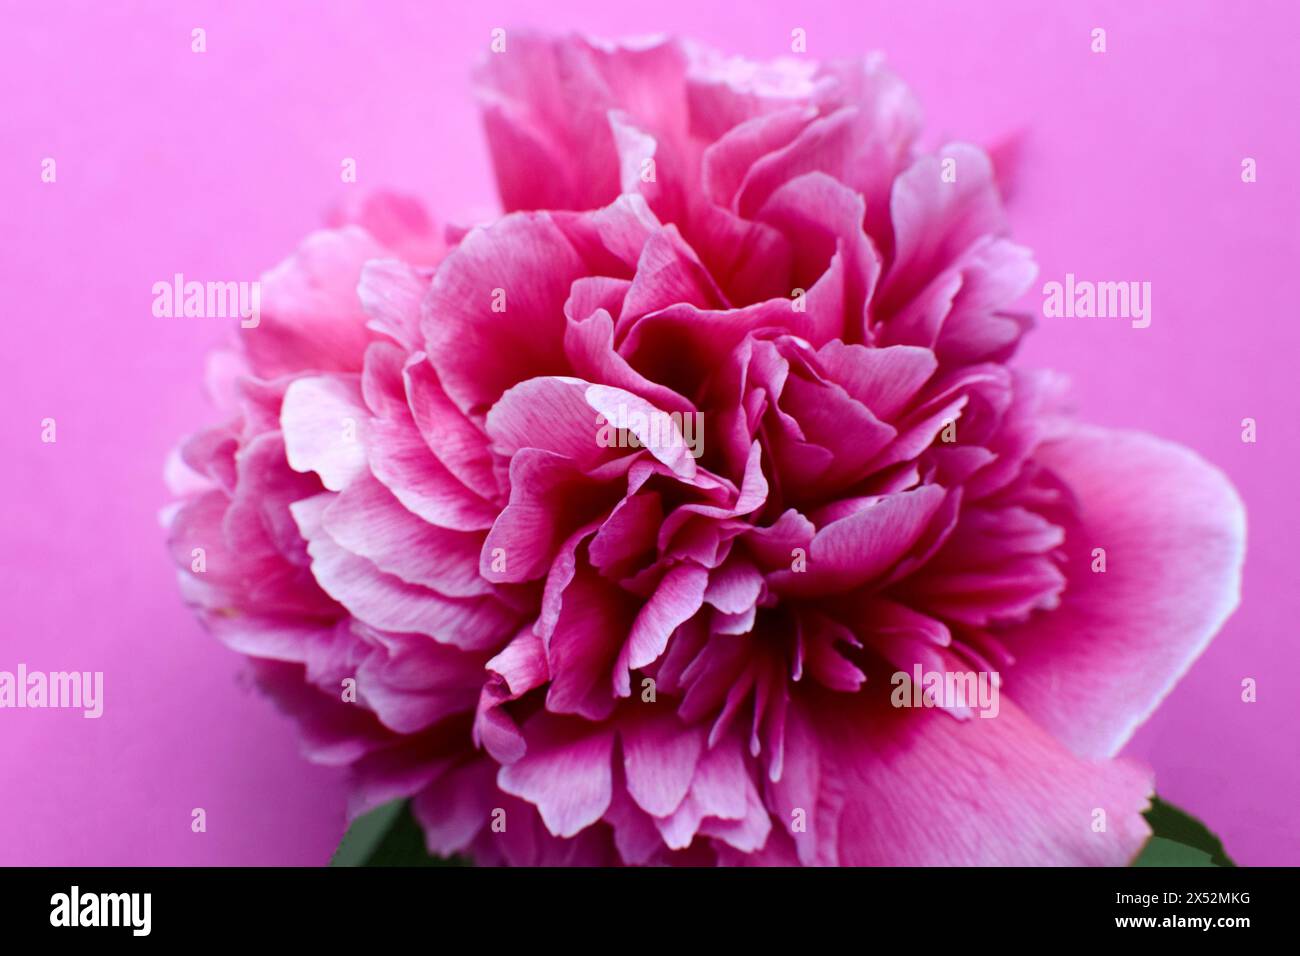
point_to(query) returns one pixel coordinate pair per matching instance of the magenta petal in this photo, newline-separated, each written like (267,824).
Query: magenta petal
(628,533)
(589,344)
(719,789)
(669,273)
(546,105)
(456,808)
(822,219)
(495,313)
(323,420)
(936,221)
(881,786)
(519,668)
(980,325)
(391,292)
(863,545)
(396,220)
(388,603)
(458,443)
(735,587)
(659,758)
(1173,530)
(635,835)
(727,160)
(886,380)
(546,490)
(368,521)
(411,682)
(582,647)
(749,834)
(403,463)
(678,596)
(550,413)
(566,772)
(657,432)
(311,318)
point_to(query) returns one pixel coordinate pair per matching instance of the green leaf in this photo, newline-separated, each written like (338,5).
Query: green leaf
(387,836)
(1179,839)
(1161,852)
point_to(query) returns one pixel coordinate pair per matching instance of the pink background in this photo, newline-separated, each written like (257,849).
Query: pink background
(215,165)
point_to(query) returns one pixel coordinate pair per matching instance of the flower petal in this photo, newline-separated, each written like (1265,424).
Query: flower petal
(1173,530)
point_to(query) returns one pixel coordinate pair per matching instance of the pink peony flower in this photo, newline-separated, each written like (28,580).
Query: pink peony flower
(623,513)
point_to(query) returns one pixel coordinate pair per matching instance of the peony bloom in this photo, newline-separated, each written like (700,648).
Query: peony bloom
(622,513)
